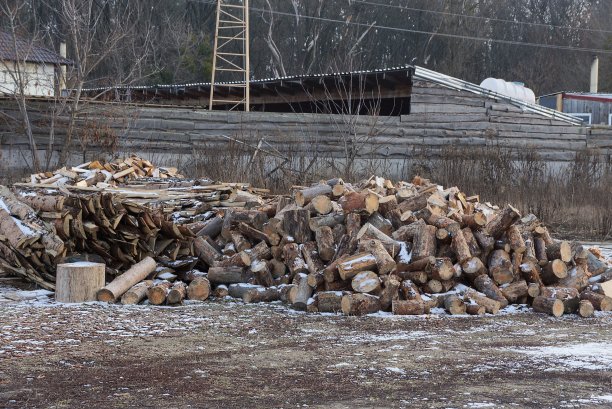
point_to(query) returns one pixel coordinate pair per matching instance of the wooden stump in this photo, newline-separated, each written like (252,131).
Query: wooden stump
(78,282)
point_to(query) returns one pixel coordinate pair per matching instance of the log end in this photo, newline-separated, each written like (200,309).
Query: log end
(105,295)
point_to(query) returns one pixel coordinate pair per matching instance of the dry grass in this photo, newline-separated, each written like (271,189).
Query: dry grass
(575,198)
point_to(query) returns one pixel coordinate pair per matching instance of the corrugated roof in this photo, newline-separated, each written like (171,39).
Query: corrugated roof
(22,50)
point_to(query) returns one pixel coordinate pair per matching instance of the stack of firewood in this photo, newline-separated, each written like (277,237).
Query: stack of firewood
(378,246)
(102,174)
(359,248)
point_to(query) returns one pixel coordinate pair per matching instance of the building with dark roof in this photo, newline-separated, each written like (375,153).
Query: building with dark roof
(23,64)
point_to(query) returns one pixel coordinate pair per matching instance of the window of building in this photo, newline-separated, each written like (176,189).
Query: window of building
(586,118)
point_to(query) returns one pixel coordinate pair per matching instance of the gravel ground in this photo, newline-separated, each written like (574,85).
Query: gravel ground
(224,354)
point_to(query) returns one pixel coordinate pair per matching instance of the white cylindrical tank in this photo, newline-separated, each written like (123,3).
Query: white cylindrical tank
(509,89)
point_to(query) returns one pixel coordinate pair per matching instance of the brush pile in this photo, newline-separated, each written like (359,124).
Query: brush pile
(330,247)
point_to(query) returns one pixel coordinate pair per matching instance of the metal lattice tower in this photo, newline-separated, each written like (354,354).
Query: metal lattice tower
(231,56)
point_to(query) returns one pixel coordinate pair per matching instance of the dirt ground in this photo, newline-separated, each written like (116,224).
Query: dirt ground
(224,354)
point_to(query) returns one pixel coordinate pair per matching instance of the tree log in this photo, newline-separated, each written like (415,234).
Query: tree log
(296,225)
(500,267)
(255,295)
(553,272)
(384,261)
(137,293)
(325,243)
(299,295)
(460,247)
(454,305)
(599,301)
(585,309)
(227,275)
(359,202)
(515,291)
(360,304)
(177,293)
(389,292)
(366,282)
(559,250)
(158,292)
(350,266)
(199,289)
(262,273)
(424,243)
(486,286)
(330,301)
(502,220)
(125,281)
(409,307)
(304,196)
(548,305)
(491,306)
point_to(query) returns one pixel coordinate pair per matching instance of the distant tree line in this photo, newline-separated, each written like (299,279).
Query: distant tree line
(170,41)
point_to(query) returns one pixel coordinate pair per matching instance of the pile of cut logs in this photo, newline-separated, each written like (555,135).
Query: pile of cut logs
(407,248)
(101,174)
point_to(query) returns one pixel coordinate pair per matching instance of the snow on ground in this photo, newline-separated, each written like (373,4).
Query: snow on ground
(589,355)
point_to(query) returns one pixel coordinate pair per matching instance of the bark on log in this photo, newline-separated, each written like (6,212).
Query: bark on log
(491,306)
(424,242)
(137,293)
(299,295)
(382,224)
(311,257)
(386,205)
(262,273)
(158,292)
(296,225)
(255,295)
(329,220)
(442,269)
(206,252)
(407,232)
(576,278)
(454,305)
(304,196)
(560,250)
(599,301)
(177,293)
(586,309)
(460,247)
(360,304)
(350,266)
(473,268)
(325,243)
(389,292)
(384,261)
(366,282)
(475,309)
(359,202)
(239,289)
(548,305)
(485,285)
(504,219)
(540,251)
(125,281)
(78,282)
(294,261)
(409,307)
(500,267)
(227,275)
(369,232)
(330,301)
(515,291)
(553,272)
(517,244)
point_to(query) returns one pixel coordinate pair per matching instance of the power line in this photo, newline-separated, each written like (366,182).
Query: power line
(408,30)
(447,13)
(457,36)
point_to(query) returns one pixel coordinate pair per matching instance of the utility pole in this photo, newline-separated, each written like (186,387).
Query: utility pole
(231,56)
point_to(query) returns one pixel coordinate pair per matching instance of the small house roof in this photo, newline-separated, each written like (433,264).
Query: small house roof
(18,49)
